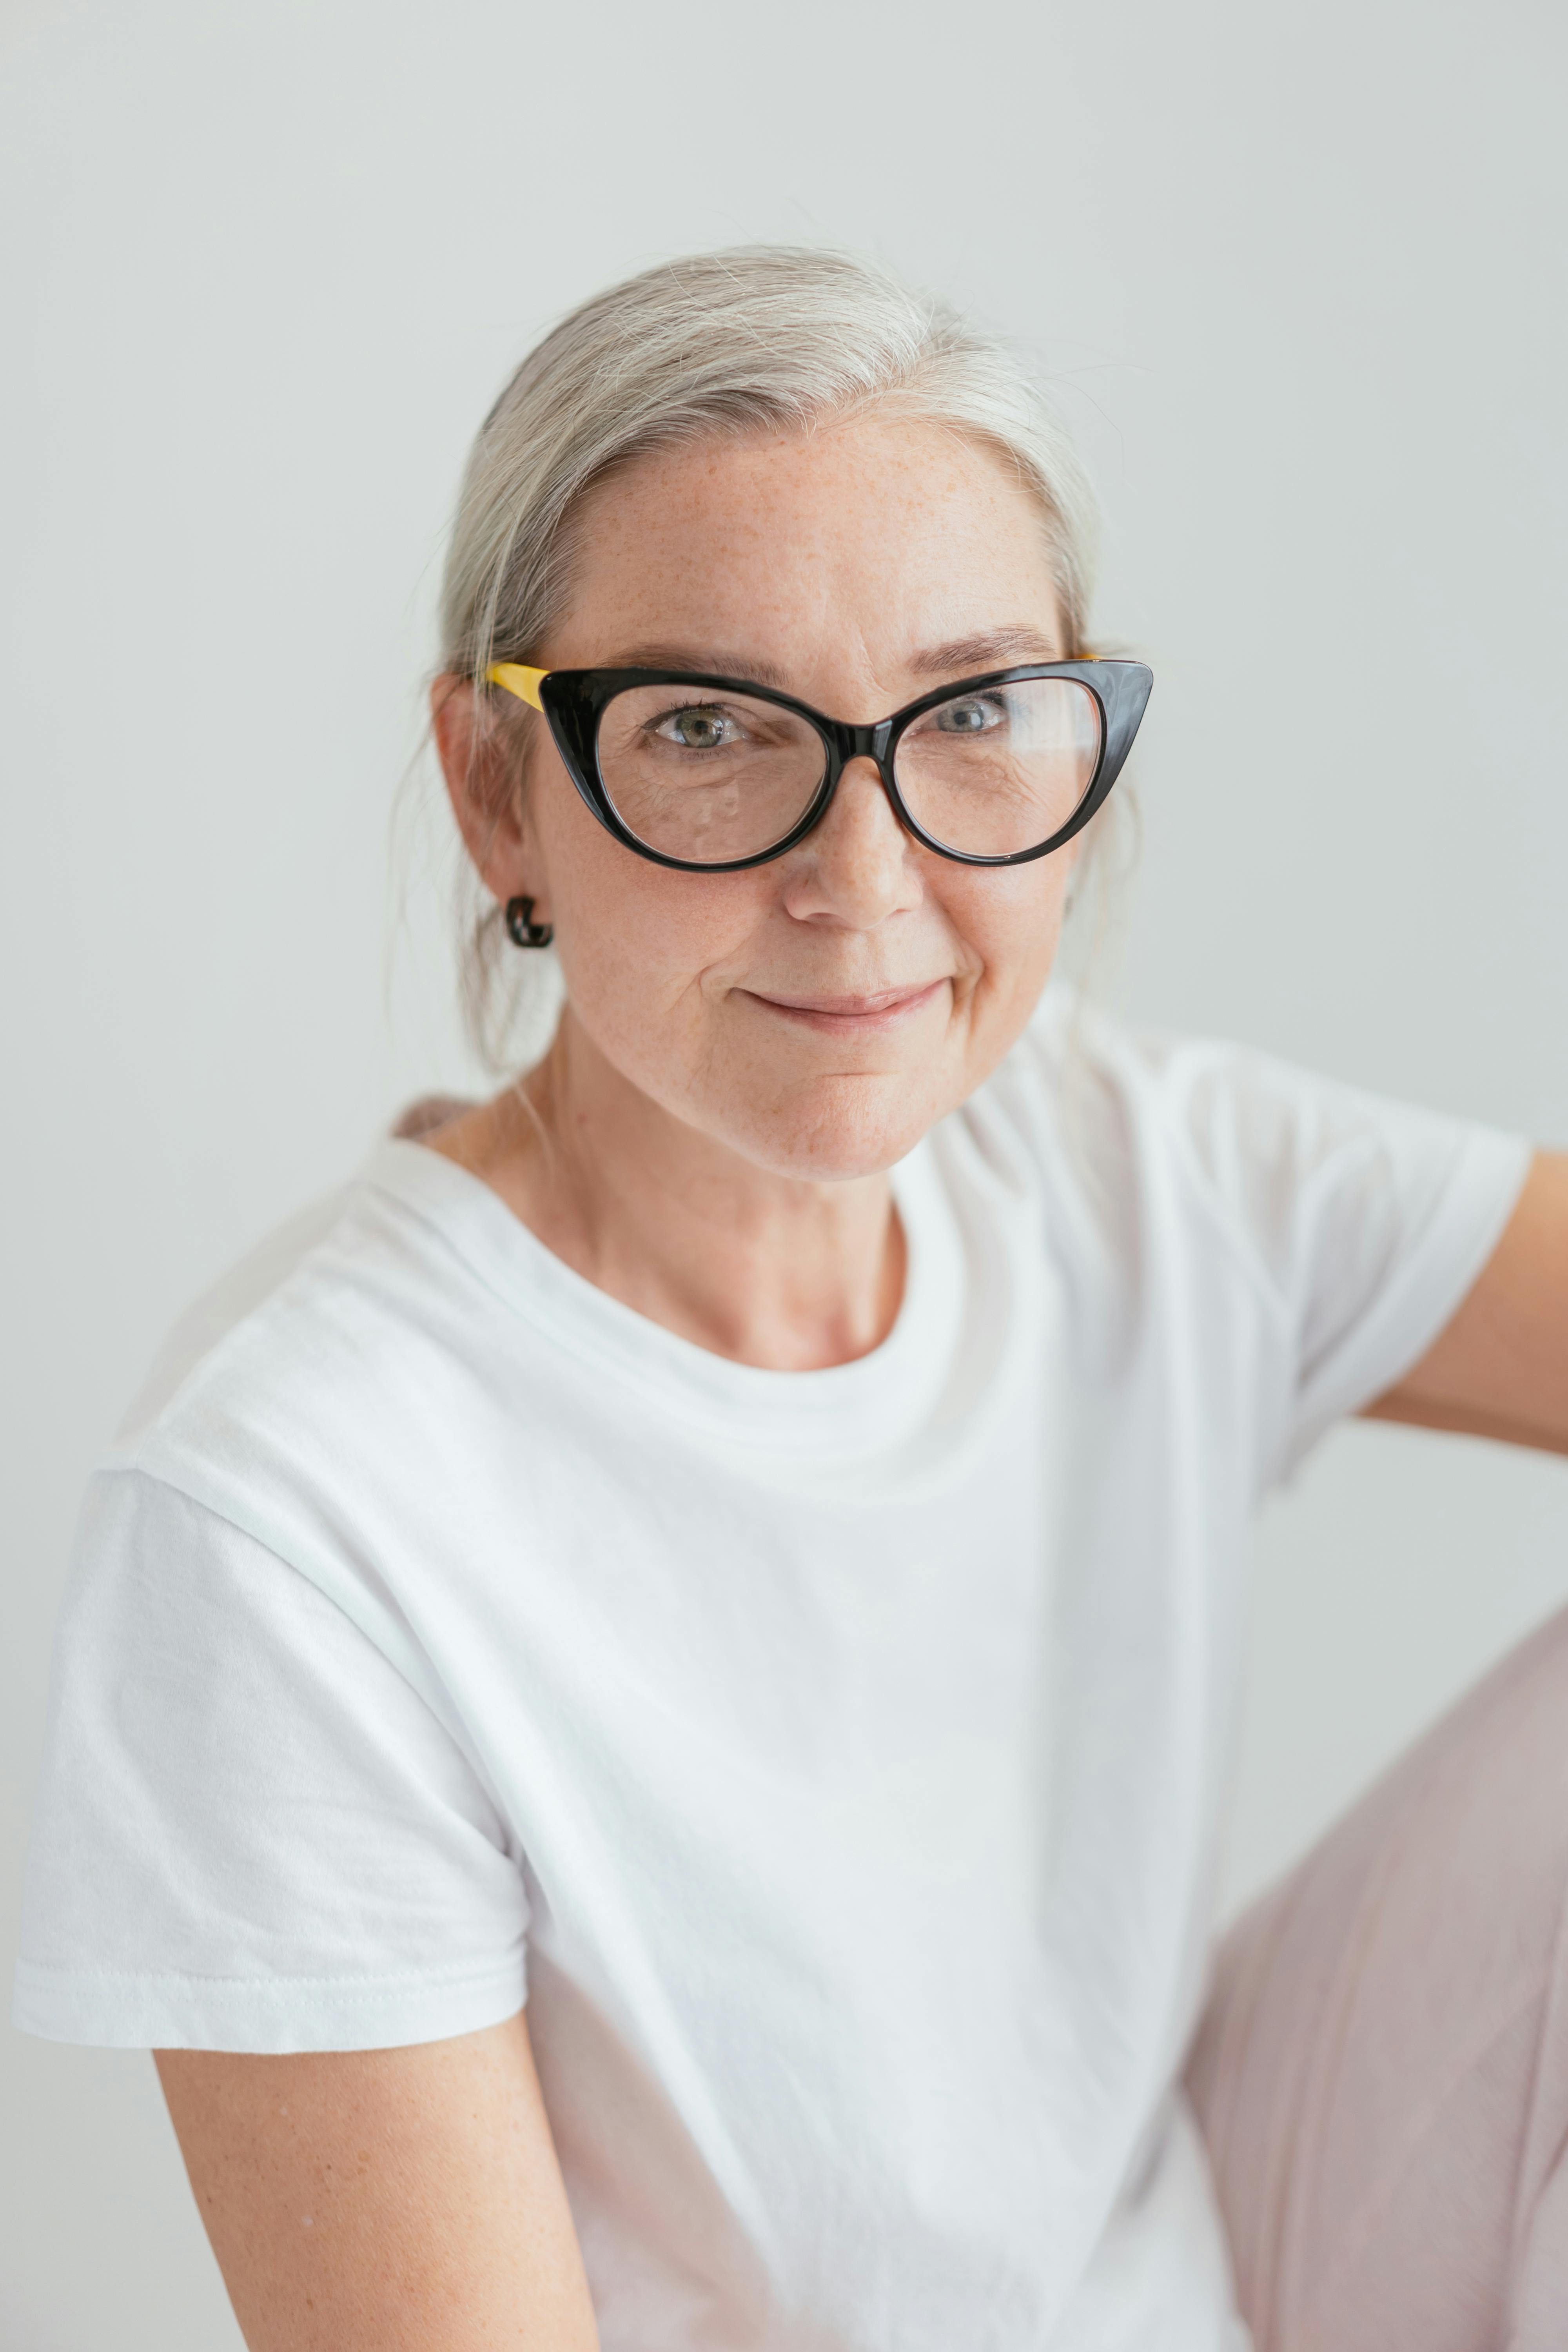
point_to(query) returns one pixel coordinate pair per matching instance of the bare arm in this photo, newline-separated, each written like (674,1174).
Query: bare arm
(1500,1367)
(383,2200)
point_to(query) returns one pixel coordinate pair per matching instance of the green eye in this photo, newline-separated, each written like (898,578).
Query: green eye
(698,728)
(976,716)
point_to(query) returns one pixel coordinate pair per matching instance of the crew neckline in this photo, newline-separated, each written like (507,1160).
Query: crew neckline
(838,1408)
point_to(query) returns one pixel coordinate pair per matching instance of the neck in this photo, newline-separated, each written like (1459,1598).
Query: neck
(770,1270)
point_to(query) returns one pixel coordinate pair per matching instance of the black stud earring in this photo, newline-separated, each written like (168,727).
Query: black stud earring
(521,928)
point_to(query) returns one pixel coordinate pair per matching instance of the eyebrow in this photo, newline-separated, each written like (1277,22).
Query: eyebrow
(992,649)
(707,661)
(959,657)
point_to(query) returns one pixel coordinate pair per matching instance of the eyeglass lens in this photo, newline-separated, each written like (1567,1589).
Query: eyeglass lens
(1002,769)
(707,778)
(712,778)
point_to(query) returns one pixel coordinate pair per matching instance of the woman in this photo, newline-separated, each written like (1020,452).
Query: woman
(739,1539)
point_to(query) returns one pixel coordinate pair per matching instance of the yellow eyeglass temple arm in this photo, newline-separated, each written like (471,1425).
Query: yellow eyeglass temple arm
(517,680)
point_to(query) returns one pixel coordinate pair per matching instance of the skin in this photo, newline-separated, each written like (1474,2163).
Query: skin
(743,1056)
(383,2200)
(741,1059)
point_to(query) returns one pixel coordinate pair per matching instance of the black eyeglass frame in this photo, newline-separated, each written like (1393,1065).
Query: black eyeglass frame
(574,701)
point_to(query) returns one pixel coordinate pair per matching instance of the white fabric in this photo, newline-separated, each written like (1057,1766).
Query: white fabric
(844,1749)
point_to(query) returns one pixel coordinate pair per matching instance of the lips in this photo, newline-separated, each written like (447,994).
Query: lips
(878,1009)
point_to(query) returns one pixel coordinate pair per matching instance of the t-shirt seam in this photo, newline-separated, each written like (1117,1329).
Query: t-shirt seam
(195,1487)
(192,1488)
(235,1336)
(1306,1426)
(41,1970)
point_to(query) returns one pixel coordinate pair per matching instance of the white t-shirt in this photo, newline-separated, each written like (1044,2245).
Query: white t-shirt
(838,1753)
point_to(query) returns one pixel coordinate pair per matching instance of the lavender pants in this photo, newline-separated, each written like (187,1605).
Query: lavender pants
(1381,2073)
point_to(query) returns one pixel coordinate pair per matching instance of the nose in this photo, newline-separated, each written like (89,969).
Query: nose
(857,866)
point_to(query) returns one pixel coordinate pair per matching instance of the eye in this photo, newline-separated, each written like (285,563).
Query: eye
(701,727)
(978,714)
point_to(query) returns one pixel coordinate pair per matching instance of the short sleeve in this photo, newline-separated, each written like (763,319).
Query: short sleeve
(251,1833)
(1368,1220)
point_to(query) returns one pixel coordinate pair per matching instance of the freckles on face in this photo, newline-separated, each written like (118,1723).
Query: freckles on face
(642,961)
(819,1011)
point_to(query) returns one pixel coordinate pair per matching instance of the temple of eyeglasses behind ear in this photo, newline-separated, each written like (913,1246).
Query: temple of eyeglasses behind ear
(517,680)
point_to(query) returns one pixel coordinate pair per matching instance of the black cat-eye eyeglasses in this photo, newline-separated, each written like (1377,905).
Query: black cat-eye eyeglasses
(714,774)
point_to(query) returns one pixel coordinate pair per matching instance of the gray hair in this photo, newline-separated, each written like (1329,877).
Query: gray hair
(772,337)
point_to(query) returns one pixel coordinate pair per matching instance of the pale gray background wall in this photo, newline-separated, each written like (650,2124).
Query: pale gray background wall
(1298,273)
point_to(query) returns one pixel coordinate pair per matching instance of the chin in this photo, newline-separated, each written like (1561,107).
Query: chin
(840,1129)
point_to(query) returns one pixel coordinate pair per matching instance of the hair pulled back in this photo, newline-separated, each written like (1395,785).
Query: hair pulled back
(756,337)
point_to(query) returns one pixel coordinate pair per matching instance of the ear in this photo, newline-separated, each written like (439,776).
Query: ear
(479,761)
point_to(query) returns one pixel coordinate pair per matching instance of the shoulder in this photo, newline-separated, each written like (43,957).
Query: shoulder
(1159,1139)
(334,1352)
(1124,1117)
(1122,1088)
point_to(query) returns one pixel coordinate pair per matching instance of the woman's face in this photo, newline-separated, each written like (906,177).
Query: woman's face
(819,1013)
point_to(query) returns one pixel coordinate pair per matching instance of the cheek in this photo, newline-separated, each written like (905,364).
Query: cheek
(1010,922)
(635,939)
